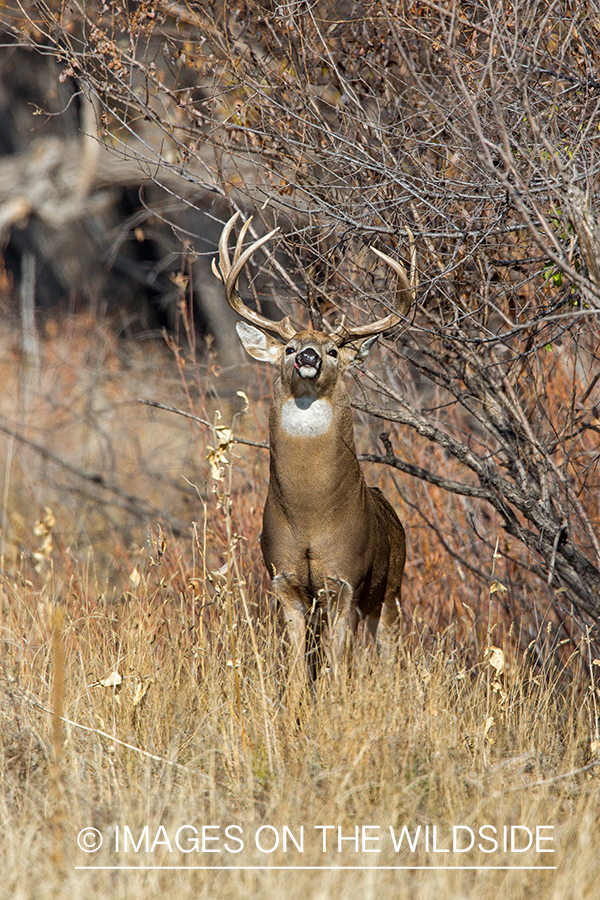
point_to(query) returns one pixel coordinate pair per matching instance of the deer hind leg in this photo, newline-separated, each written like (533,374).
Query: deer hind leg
(314,643)
(371,626)
(388,632)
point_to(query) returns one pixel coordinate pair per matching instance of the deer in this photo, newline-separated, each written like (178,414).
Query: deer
(334,548)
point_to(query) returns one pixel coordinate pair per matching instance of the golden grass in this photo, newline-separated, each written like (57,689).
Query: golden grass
(169,664)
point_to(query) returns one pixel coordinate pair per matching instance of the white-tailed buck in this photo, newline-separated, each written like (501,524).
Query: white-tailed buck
(333,547)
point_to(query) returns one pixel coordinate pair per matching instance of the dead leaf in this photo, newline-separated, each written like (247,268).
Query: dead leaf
(496,659)
(141,689)
(113,680)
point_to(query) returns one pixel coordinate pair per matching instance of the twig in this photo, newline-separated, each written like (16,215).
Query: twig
(115,740)
(137,504)
(544,781)
(263,445)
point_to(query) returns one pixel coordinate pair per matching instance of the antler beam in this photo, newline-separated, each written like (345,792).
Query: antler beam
(228,272)
(405,294)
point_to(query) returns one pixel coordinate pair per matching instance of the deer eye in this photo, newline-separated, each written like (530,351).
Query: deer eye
(289,350)
(333,353)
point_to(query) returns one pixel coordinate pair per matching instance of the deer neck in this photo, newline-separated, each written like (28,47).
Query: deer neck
(312,447)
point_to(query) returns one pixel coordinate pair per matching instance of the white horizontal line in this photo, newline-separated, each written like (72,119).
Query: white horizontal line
(324,868)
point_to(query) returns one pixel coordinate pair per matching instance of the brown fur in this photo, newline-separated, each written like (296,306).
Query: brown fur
(328,540)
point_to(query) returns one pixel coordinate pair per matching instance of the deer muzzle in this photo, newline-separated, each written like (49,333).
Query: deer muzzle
(307,363)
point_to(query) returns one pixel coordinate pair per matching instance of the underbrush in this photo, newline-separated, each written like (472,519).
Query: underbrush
(143,681)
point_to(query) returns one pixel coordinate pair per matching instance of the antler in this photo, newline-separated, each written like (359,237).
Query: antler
(228,272)
(405,293)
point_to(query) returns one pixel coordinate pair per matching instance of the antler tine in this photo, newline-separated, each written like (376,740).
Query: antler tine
(405,293)
(228,272)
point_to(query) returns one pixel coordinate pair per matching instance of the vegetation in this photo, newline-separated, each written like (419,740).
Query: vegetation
(473,125)
(143,668)
(170,675)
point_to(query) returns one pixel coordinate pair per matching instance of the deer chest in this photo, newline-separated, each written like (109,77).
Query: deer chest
(306,417)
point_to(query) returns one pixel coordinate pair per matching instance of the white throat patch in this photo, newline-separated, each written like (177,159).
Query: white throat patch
(306,417)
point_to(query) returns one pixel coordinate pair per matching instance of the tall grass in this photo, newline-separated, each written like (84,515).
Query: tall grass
(143,681)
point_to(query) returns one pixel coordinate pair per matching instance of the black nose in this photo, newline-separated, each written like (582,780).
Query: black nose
(308,357)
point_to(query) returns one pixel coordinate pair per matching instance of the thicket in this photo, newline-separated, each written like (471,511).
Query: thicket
(475,125)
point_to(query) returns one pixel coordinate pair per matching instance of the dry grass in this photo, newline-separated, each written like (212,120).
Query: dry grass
(172,666)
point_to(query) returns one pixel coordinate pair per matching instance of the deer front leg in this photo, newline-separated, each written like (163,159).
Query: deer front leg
(342,621)
(294,606)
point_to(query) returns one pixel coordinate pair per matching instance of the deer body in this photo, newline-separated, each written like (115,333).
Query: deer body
(321,522)
(333,546)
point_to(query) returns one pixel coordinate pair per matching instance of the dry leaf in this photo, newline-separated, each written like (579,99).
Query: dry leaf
(496,659)
(113,680)
(135,578)
(497,586)
(217,456)
(141,689)
(45,525)
(222,572)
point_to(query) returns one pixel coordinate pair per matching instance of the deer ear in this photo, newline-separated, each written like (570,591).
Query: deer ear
(259,344)
(352,356)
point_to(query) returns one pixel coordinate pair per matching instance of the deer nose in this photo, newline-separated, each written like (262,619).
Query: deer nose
(308,357)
